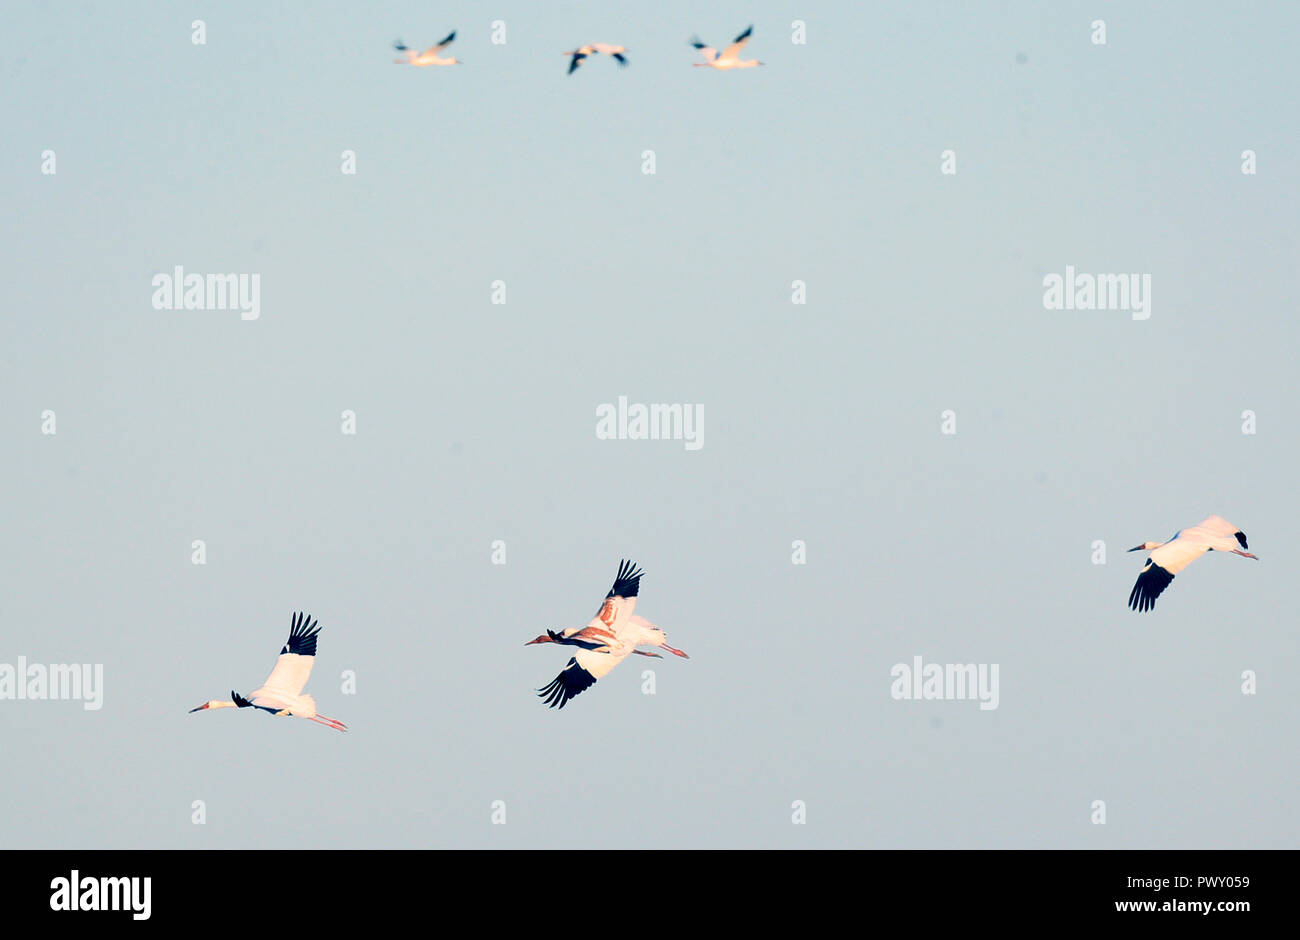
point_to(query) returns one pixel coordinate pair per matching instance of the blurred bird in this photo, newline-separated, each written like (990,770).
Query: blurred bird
(729,58)
(428,56)
(580,54)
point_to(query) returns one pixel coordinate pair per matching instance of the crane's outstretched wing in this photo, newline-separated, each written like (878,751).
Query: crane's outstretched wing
(621,599)
(612,51)
(577,60)
(1163,563)
(572,680)
(581,674)
(708,52)
(433,50)
(297,656)
(733,50)
(1151,583)
(1219,527)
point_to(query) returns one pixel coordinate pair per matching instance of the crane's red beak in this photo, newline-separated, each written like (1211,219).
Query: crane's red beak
(199,709)
(541,639)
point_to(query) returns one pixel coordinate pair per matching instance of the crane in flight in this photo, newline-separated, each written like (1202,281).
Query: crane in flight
(579,55)
(281,693)
(729,58)
(611,636)
(1187,545)
(428,56)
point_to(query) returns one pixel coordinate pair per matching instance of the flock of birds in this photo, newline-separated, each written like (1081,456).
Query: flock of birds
(728,58)
(616,631)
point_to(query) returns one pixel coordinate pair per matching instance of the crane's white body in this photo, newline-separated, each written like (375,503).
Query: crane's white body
(728,58)
(1214,534)
(634,631)
(282,689)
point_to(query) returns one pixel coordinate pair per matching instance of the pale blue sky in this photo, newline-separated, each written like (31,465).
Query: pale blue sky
(476,421)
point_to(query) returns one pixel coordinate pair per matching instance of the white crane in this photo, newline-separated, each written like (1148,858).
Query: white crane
(281,693)
(580,54)
(729,58)
(611,636)
(1187,545)
(428,56)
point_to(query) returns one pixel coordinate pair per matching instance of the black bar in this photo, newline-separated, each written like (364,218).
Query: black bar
(321,889)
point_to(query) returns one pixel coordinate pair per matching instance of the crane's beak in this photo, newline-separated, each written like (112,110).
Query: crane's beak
(199,709)
(1136,548)
(541,639)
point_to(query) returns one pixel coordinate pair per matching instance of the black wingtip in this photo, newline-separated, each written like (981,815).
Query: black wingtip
(1241,537)
(572,680)
(1150,584)
(302,635)
(628,580)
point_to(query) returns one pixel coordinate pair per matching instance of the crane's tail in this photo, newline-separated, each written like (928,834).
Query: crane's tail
(329,722)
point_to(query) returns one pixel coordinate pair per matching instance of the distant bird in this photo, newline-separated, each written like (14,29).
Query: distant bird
(1187,545)
(428,56)
(580,54)
(611,636)
(729,58)
(281,693)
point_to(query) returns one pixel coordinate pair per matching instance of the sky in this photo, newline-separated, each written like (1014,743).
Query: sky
(823,422)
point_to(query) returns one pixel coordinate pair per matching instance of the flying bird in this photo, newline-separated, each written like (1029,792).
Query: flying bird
(428,56)
(281,693)
(729,58)
(611,636)
(1187,545)
(579,55)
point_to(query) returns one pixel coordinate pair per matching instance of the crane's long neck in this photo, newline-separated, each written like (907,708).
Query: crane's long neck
(215,703)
